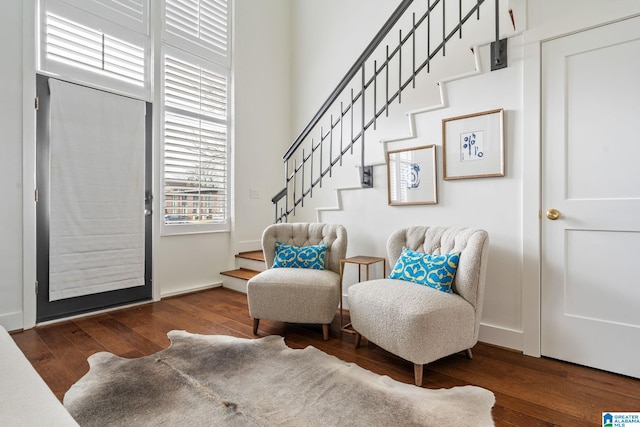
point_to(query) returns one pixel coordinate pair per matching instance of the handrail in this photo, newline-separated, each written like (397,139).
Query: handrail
(397,14)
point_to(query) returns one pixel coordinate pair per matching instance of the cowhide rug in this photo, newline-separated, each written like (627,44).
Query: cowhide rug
(217,380)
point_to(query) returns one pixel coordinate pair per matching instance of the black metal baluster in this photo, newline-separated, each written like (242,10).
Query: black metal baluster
(444,28)
(460,16)
(400,69)
(287,179)
(341,132)
(331,148)
(302,180)
(351,114)
(413,51)
(362,119)
(375,93)
(386,103)
(320,146)
(428,36)
(311,169)
(295,174)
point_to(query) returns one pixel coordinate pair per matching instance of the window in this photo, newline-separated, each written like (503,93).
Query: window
(81,46)
(195,118)
(107,44)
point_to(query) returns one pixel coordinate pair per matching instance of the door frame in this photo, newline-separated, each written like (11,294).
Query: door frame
(51,310)
(532,168)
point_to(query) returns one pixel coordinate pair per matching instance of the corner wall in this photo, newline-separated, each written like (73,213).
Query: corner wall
(11,165)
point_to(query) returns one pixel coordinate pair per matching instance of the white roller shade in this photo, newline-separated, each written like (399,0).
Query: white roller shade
(97,145)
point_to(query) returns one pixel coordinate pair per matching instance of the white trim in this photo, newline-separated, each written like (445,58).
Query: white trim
(29,265)
(192,289)
(503,337)
(12,321)
(531,239)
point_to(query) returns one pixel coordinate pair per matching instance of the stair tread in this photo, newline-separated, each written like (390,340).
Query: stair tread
(253,255)
(240,273)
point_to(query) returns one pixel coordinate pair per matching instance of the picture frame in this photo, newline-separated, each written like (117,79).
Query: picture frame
(473,145)
(411,176)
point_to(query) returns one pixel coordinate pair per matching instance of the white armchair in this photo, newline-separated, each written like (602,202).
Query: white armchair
(417,322)
(298,295)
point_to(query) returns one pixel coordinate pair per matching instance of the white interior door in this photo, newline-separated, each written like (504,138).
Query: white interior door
(591,176)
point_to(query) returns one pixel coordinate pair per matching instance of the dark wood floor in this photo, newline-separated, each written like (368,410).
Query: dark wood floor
(529,391)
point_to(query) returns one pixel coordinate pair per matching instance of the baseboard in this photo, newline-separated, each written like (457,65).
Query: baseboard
(189,290)
(12,321)
(503,337)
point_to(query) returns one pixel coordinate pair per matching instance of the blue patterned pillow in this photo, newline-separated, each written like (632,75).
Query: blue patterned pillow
(436,271)
(290,256)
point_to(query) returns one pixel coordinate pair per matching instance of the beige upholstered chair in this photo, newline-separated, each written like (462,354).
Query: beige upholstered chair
(416,322)
(298,295)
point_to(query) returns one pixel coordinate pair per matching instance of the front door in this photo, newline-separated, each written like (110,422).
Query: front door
(591,198)
(93,211)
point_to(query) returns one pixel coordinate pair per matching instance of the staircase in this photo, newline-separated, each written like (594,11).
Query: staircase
(248,264)
(413,37)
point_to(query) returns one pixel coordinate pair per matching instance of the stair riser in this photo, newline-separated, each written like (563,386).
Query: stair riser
(236,284)
(250,264)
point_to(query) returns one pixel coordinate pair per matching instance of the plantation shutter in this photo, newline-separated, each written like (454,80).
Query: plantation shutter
(95,50)
(195,141)
(196,124)
(132,14)
(199,22)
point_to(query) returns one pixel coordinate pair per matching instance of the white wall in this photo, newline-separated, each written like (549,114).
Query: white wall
(262,70)
(11,165)
(507,207)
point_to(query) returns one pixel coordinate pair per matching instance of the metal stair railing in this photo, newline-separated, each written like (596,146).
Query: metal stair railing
(345,116)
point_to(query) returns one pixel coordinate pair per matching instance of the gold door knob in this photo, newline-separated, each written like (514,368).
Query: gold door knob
(553,214)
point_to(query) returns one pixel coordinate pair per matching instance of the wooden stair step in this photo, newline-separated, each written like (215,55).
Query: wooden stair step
(253,255)
(240,273)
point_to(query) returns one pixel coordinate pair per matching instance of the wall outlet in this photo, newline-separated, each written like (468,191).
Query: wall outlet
(254,194)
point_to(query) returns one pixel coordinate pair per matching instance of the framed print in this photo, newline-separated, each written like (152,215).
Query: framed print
(473,145)
(411,176)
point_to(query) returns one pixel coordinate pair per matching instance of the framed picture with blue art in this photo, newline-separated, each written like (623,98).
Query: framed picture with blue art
(411,176)
(473,145)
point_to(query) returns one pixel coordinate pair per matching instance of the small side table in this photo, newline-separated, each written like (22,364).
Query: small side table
(360,260)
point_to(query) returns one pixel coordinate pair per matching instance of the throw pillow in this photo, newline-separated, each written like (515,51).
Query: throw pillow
(436,271)
(289,256)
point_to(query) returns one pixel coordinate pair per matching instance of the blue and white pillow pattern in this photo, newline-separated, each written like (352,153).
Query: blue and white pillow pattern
(289,256)
(436,271)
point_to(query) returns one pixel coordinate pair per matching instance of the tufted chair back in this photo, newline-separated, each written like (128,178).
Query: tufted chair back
(334,236)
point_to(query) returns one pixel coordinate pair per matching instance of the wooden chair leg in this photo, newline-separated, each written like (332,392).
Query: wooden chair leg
(469,353)
(325,332)
(256,322)
(357,340)
(417,373)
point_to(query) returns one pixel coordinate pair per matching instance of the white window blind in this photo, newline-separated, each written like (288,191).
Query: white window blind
(203,23)
(195,142)
(133,14)
(83,47)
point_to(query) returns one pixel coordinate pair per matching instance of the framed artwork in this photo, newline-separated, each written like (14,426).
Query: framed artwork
(473,145)
(411,176)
